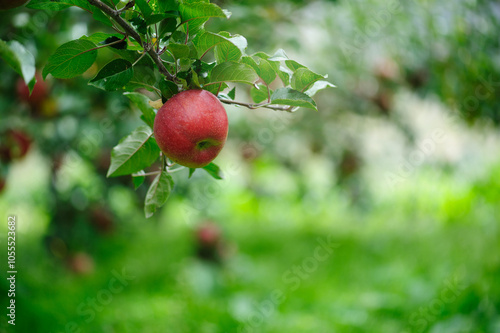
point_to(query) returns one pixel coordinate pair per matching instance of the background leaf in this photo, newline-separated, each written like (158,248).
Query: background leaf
(20,59)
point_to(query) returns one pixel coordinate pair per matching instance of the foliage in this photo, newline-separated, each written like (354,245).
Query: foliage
(162,48)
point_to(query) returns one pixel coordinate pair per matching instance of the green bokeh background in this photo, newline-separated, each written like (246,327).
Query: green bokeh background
(398,172)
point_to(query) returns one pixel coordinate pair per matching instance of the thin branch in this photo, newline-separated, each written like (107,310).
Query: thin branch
(285,108)
(148,174)
(115,14)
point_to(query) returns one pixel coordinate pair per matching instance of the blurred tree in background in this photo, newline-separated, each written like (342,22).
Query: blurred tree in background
(379,213)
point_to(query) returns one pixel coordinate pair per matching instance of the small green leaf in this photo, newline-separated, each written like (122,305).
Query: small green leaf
(317,86)
(168,88)
(288,96)
(142,102)
(232,94)
(191,171)
(20,59)
(293,65)
(158,193)
(145,8)
(213,170)
(134,153)
(138,179)
(259,95)
(303,78)
(114,75)
(71,59)
(266,71)
(279,55)
(233,72)
(178,50)
(232,50)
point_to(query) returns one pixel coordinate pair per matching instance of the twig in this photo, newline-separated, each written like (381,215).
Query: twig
(115,14)
(285,108)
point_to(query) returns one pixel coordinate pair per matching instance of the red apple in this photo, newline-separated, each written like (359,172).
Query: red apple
(81,263)
(209,242)
(15,144)
(191,128)
(9,4)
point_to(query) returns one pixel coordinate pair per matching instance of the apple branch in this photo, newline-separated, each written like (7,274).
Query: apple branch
(285,108)
(115,14)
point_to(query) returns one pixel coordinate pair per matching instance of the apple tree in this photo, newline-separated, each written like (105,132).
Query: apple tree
(161,49)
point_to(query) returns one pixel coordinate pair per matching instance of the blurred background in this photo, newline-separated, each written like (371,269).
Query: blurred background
(379,213)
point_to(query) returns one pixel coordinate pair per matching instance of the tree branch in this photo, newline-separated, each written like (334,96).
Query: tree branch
(115,14)
(285,108)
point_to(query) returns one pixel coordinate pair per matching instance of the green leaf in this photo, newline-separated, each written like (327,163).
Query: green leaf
(114,75)
(279,55)
(98,15)
(167,5)
(317,86)
(134,153)
(138,179)
(303,78)
(213,170)
(100,37)
(145,8)
(259,95)
(20,59)
(50,5)
(205,41)
(200,10)
(178,50)
(142,102)
(266,71)
(168,88)
(288,96)
(191,171)
(233,72)
(293,65)
(71,59)
(232,50)
(158,193)
(232,93)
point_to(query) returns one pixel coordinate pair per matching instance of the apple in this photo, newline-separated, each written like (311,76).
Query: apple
(209,242)
(81,263)
(15,144)
(191,128)
(102,220)
(9,4)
